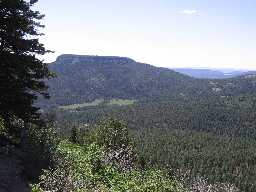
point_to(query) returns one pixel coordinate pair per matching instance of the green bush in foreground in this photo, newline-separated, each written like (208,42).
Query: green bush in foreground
(81,168)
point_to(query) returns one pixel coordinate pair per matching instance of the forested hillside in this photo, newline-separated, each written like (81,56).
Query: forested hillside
(86,78)
(205,127)
(82,79)
(213,137)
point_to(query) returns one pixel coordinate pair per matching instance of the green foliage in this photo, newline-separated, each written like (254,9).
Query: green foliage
(36,188)
(38,146)
(213,137)
(218,158)
(86,171)
(114,137)
(73,137)
(2,127)
(171,115)
(85,79)
(21,73)
(111,134)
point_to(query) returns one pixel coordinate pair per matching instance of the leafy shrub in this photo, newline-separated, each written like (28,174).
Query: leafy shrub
(119,148)
(38,146)
(112,134)
(82,168)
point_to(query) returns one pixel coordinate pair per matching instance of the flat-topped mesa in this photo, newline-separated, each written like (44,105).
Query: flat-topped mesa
(73,59)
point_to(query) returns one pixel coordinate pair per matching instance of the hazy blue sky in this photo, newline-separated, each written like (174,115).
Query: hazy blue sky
(168,33)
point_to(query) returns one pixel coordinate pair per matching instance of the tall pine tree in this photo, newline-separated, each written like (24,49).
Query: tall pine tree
(22,74)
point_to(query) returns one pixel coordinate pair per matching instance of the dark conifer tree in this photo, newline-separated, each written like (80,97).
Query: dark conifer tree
(22,74)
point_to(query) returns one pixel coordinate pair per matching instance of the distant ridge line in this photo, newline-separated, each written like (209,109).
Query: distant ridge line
(65,57)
